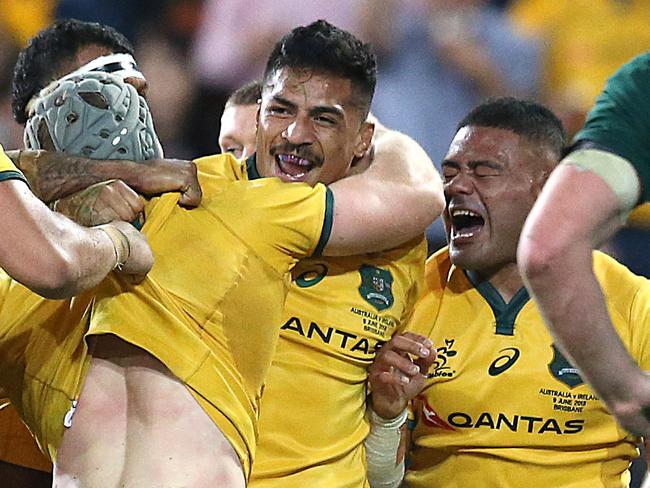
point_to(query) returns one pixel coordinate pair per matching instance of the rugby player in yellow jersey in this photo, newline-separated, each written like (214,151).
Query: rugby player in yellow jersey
(232,409)
(62,47)
(502,405)
(337,311)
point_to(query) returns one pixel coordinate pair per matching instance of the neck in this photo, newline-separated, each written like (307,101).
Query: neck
(506,280)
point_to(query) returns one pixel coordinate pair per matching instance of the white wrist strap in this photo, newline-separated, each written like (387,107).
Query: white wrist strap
(382,444)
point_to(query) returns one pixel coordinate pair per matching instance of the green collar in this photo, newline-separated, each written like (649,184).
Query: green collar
(504,313)
(251,168)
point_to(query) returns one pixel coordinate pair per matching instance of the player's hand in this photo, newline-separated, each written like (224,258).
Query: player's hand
(102,203)
(169,175)
(140,259)
(398,373)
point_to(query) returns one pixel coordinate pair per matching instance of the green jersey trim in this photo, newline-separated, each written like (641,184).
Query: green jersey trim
(327,224)
(251,168)
(12,175)
(505,314)
(619,119)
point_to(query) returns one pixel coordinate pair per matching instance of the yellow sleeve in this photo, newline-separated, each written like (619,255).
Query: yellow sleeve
(427,306)
(416,273)
(8,170)
(279,219)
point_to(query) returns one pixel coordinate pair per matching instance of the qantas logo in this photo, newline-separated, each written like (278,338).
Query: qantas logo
(430,417)
(504,362)
(331,335)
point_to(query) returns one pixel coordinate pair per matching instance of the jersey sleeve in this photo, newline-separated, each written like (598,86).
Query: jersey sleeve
(620,119)
(416,273)
(280,219)
(8,170)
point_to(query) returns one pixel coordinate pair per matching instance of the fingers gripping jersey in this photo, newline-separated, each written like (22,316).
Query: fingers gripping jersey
(209,308)
(620,119)
(504,407)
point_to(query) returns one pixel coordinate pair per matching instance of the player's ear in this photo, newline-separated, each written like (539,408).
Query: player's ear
(364,139)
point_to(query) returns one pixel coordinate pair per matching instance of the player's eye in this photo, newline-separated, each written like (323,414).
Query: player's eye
(483,170)
(323,119)
(277,110)
(448,173)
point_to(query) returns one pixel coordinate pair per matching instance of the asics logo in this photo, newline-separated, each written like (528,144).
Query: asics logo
(504,362)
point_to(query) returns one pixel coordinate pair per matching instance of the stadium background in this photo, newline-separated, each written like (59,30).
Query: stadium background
(437,58)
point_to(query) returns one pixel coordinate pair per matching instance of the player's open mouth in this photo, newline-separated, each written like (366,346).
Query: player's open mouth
(293,167)
(465,224)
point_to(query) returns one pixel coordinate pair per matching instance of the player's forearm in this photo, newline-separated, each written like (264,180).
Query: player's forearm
(47,252)
(555,257)
(53,175)
(392,202)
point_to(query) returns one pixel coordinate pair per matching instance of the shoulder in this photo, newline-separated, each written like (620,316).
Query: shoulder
(437,270)
(620,286)
(221,165)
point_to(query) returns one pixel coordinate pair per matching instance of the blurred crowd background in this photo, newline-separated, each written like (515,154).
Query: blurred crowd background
(437,59)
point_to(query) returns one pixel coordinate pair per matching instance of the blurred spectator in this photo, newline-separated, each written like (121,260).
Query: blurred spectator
(170,90)
(21,19)
(439,58)
(585,41)
(127,16)
(233,42)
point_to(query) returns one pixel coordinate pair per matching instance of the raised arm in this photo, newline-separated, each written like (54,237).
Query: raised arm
(392,202)
(575,212)
(53,175)
(57,258)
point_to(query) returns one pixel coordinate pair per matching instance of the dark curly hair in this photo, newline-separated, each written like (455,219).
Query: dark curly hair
(525,118)
(43,58)
(324,47)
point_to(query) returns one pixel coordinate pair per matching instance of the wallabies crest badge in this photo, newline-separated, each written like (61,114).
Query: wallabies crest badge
(376,286)
(563,370)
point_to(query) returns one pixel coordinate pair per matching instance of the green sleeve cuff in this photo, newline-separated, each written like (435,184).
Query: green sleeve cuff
(327,222)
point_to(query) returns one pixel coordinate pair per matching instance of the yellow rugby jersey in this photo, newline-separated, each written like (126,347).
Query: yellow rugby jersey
(8,170)
(43,355)
(42,359)
(210,307)
(312,422)
(336,312)
(17,446)
(504,407)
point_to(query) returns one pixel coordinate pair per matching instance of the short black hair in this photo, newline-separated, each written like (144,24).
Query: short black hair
(325,48)
(248,94)
(40,62)
(526,118)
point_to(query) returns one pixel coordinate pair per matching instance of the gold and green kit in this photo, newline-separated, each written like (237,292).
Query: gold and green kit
(208,309)
(503,407)
(312,423)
